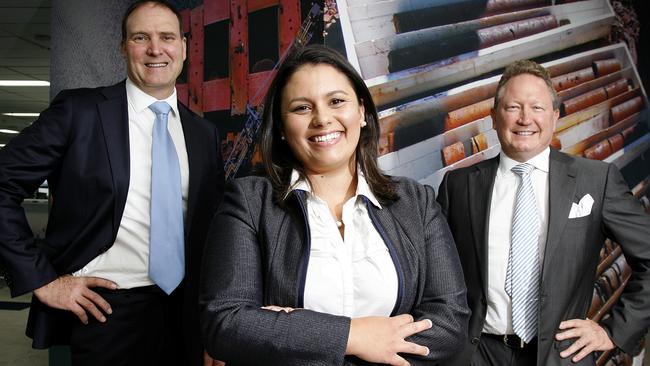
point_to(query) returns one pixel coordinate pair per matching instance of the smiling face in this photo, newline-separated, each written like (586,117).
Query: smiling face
(524,117)
(154,49)
(321,118)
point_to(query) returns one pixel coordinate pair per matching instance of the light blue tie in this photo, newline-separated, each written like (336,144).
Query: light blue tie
(522,275)
(166,248)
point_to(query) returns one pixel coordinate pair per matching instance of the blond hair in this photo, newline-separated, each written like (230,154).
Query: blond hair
(526,67)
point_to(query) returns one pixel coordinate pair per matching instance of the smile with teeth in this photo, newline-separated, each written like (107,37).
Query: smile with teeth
(160,64)
(524,133)
(326,138)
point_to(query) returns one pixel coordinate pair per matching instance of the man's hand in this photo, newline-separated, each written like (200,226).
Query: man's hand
(209,361)
(589,336)
(74,294)
(380,339)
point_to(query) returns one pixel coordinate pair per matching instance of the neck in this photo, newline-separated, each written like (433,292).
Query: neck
(335,188)
(159,94)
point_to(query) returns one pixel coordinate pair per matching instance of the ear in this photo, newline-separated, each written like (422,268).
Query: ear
(184,40)
(282,136)
(556,117)
(493,114)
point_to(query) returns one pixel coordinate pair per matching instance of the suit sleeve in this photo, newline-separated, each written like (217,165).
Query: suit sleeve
(444,299)
(29,159)
(220,172)
(443,195)
(625,222)
(235,328)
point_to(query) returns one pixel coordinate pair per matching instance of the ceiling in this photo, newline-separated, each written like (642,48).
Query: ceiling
(24,55)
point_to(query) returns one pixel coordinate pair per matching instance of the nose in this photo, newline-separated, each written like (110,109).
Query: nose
(154,48)
(525,116)
(321,117)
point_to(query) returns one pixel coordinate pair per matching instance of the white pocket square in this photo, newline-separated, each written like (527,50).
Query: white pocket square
(582,208)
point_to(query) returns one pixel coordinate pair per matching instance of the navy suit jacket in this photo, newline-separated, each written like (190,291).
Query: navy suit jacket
(80,144)
(571,253)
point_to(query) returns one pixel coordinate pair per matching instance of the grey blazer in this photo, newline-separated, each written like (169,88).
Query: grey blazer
(571,254)
(257,254)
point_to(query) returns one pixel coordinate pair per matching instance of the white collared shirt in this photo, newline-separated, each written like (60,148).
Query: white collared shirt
(127,261)
(354,277)
(498,319)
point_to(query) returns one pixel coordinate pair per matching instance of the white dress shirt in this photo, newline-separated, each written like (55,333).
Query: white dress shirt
(498,319)
(354,277)
(127,261)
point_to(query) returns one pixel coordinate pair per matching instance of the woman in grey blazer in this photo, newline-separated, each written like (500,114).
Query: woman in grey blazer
(325,260)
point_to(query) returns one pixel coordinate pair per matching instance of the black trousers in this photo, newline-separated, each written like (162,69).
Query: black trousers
(492,351)
(144,329)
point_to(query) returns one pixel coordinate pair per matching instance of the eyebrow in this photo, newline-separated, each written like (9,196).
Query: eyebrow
(333,92)
(336,92)
(145,33)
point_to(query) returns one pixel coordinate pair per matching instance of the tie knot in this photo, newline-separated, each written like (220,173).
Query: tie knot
(160,108)
(522,169)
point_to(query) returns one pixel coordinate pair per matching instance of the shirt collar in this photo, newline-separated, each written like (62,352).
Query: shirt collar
(363,189)
(539,161)
(141,100)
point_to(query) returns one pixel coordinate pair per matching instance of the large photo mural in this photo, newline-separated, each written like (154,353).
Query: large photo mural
(432,67)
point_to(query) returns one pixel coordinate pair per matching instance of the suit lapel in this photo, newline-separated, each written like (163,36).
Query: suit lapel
(480,184)
(389,219)
(114,119)
(562,186)
(192,143)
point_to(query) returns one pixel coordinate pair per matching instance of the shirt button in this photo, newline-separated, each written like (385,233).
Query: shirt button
(475,340)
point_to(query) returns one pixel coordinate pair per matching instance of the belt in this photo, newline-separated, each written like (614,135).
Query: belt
(510,340)
(143,290)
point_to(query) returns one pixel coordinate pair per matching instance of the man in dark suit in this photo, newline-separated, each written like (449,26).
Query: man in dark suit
(529,225)
(135,179)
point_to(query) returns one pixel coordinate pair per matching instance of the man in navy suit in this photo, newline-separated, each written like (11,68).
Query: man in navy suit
(91,277)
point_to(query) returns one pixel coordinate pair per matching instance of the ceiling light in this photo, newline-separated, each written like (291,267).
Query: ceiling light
(22,114)
(24,83)
(3,130)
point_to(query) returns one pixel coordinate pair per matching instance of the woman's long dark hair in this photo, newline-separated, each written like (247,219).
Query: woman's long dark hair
(279,160)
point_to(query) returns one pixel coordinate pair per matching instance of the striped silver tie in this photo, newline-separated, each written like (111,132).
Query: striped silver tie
(522,275)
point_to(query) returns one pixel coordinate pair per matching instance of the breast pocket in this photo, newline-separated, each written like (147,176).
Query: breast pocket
(578,222)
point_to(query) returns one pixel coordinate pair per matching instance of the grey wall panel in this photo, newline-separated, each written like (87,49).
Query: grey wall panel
(86,38)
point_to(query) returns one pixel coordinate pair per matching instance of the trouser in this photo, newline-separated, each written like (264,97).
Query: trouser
(144,329)
(493,351)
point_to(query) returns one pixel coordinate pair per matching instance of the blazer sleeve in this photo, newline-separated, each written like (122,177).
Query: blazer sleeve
(29,159)
(443,195)
(625,222)
(235,328)
(444,297)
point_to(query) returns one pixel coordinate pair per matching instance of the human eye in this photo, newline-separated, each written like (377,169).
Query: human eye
(139,38)
(300,109)
(512,107)
(168,37)
(337,101)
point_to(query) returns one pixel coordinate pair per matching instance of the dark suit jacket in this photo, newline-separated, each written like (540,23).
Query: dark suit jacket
(257,254)
(571,254)
(80,144)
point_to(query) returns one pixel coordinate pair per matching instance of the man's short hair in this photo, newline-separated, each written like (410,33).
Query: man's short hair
(526,67)
(136,5)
